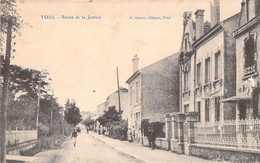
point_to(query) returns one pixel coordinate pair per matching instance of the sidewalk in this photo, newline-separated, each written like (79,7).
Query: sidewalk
(146,154)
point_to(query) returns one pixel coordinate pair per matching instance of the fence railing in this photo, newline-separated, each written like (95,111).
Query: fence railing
(234,133)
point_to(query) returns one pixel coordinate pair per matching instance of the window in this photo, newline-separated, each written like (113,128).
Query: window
(207,70)
(137,91)
(249,51)
(198,110)
(186,108)
(249,55)
(136,120)
(186,81)
(198,74)
(185,44)
(131,94)
(217,65)
(217,109)
(207,110)
(131,119)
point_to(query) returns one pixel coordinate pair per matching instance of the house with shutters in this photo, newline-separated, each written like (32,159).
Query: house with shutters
(153,92)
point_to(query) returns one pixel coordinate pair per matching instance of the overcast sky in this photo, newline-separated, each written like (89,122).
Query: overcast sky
(82,55)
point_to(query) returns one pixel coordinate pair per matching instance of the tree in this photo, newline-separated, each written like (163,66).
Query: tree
(10,21)
(27,81)
(72,113)
(23,86)
(109,116)
(89,122)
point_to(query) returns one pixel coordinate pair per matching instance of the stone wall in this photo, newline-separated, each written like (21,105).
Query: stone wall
(224,154)
(20,140)
(161,143)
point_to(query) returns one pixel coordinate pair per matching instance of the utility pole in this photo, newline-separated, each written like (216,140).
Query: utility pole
(38,106)
(51,112)
(62,123)
(119,103)
(6,74)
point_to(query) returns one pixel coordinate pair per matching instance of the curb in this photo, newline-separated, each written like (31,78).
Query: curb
(127,153)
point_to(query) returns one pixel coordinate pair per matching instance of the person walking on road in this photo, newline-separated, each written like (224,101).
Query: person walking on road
(149,137)
(74,137)
(87,129)
(78,130)
(152,138)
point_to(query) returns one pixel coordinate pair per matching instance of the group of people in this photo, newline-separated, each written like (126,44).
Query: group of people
(151,136)
(74,135)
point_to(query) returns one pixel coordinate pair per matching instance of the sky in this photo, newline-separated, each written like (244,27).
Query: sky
(82,55)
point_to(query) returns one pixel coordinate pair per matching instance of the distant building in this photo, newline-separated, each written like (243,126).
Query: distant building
(101,108)
(153,92)
(112,100)
(85,115)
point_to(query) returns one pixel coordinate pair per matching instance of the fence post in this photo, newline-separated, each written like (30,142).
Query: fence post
(168,127)
(180,119)
(191,118)
(174,139)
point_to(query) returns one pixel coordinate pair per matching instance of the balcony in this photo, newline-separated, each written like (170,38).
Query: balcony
(250,70)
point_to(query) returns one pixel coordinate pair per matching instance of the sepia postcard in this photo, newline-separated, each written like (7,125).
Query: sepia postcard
(91,81)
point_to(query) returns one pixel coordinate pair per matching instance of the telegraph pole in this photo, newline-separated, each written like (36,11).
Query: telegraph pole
(62,123)
(119,103)
(38,106)
(52,110)
(6,74)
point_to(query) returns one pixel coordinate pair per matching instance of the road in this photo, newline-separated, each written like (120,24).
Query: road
(87,150)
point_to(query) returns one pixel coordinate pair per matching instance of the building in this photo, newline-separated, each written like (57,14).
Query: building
(112,100)
(153,92)
(219,96)
(247,112)
(101,108)
(208,65)
(248,62)
(86,115)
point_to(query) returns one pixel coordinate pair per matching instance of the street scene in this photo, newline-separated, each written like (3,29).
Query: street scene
(92,147)
(129,81)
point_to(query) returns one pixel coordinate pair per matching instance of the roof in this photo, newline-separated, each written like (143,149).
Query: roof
(236,98)
(122,89)
(214,30)
(146,69)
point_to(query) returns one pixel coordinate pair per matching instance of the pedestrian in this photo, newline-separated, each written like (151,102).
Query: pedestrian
(78,130)
(87,130)
(149,137)
(152,138)
(74,137)
(130,136)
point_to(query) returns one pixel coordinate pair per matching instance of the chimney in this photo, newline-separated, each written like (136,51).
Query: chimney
(199,23)
(135,63)
(206,26)
(214,12)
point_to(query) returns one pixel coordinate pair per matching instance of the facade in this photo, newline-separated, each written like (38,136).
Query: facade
(219,94)
(248,62)
(208,65)
(153,92)
(246,100)
(112,100)
(101,108)
(215,71)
